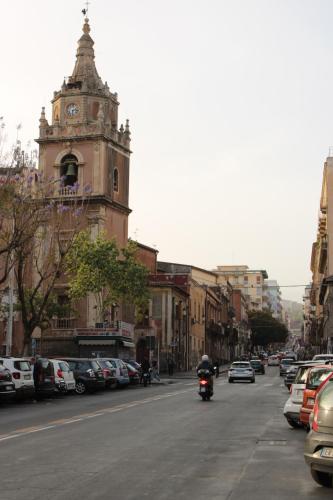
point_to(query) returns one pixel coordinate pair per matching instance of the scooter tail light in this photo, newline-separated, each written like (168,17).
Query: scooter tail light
(203,382)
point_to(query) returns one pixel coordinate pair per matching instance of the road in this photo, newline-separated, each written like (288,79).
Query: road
(159,442)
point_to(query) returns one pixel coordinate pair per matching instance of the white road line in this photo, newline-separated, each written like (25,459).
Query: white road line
(73,421)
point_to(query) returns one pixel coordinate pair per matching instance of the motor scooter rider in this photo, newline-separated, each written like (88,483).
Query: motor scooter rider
(145,368)
(207,365)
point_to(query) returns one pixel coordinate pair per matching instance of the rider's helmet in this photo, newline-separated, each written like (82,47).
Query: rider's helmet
(205,358)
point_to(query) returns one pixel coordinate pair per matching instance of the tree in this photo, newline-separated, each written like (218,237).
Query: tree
(111,275)
(38,224)
(266,329)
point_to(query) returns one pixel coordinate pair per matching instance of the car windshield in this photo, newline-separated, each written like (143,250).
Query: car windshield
(326,397)
(286,361)
(64,366)
(255,362)
(240,365)
(302,374)
(317,376)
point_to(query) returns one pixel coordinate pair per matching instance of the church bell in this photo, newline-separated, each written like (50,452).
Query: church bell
(71,170)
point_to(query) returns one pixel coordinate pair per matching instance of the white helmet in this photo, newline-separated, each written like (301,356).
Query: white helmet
(205,358)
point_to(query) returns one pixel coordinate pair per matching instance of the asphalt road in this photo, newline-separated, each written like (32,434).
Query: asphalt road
(158,442)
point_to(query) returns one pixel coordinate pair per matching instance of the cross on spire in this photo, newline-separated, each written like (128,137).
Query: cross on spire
(85,11)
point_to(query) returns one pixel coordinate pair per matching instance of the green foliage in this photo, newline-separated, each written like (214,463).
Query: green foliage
(39,312)
(266,329)
(99,267)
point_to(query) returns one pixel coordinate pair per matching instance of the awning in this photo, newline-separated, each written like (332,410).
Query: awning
(128,344)
(97,342)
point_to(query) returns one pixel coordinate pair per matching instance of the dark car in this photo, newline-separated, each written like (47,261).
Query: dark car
(87,373)
(109,373)
(7,388)
(44,379)
(258,366)
(284,365)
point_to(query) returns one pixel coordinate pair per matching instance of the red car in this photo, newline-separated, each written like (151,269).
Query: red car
(133,374)
(315,379)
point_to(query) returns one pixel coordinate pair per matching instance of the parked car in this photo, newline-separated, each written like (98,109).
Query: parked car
(121,372)
(258,366)
(318,452)
(323,357)
(133,363)
(316,376)
(273,361)
(292,371)
(21,371)
(284,365)
(44,378)
(63,376)
(87,373)
(293,405)
(7,387)
(133,373)
(109,373)
(241,370)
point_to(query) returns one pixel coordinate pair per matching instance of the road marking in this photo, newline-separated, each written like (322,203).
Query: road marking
(18,433)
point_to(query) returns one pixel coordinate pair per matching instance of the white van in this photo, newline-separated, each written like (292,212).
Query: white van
(21,371)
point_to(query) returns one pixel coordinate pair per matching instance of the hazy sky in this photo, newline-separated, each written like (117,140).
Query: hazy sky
(230,104)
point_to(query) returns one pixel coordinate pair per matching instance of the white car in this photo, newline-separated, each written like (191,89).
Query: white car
(21,371)
(293,406)
(121,371)
(241,370)
(323,357)
(63,376)
(273,361)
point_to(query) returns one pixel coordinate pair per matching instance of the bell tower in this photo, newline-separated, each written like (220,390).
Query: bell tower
(84,144)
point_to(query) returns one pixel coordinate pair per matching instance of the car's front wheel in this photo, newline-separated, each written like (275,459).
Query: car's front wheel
(293,424)
(231,380)
(322,478)
(253,380)
(80,387)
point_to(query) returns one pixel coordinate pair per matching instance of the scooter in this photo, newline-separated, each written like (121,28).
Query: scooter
(146,378)
(205,387)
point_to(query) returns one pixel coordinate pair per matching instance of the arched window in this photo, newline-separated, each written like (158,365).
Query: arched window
(115,180)
(69,170)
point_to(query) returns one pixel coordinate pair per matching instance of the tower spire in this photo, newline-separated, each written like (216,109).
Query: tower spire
(85,72)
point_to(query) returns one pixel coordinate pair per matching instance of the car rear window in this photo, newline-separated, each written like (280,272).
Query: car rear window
(286,361)
(326,397)
(317,376)
(23,366)
(301,375)
(255,362)
(240,365)
(64,366)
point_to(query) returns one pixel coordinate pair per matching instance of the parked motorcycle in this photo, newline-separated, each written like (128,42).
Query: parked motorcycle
(205,385)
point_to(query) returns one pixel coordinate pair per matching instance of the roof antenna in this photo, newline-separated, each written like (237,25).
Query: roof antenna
(85,11)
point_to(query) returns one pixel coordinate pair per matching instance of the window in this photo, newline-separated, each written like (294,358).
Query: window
(115,180)
(246,279)
(69,170)
(258,280)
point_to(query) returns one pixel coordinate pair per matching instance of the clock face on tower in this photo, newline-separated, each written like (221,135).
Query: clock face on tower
(72,109)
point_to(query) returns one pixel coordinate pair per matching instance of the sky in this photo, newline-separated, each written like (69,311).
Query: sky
(230,105)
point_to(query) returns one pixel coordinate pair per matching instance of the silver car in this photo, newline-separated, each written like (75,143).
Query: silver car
(241,370)
(318,451)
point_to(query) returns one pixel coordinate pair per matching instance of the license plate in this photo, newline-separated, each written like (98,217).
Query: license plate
(327,452)
(71,386)
(8,388)
(202,389)
(27,377)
